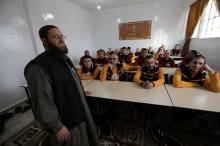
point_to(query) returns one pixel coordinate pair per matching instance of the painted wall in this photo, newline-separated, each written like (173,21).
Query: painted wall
(168,24)
(73,20)
(16,49)
(19,43)
(210,48)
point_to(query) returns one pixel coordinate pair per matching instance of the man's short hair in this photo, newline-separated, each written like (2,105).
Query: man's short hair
(43,32)
(144,49)
(87,56)
(149,57)
(100,50)
(198,56)
(114,54)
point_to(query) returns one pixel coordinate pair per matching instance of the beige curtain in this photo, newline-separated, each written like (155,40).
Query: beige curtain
(195,13)
(218,4)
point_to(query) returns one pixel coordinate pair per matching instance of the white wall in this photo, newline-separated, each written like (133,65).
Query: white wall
(73,21)
(16,49)
(168,24)
(19,43)
(210,48)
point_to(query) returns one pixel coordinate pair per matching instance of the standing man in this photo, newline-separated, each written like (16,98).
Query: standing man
(57,95)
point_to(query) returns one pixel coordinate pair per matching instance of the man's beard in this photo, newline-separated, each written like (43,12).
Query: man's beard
(57,50)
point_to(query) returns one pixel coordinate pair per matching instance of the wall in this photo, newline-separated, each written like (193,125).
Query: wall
(168,24)
(19,43)
(16,49)
(210,48)
(73,20)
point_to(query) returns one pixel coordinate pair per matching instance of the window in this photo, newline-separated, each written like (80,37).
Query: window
(209,24)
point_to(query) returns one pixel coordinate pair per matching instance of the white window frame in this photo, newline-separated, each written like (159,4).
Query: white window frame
(198,32)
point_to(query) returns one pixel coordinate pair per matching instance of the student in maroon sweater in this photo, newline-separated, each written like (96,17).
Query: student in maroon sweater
(166,61)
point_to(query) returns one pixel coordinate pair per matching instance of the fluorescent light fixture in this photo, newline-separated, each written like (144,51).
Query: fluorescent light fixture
(98,7)
(156,18)
(118,20)
(48,16)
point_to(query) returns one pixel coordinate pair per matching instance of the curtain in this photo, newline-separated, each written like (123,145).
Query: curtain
(218,4)
(195,13)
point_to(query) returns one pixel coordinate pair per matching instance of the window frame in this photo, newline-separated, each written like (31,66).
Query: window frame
(197,34)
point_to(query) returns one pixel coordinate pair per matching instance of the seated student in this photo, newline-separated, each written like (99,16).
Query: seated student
(125,56)
(160,53)
(194,75)
(166,61)
(137,52)
(88,70)
(86,53)
(150,51)
(131,56)
(101,58)
(141,58)
(115,70)
(109,52)
(116,51)
(176,51)
(149,75)
(188,57)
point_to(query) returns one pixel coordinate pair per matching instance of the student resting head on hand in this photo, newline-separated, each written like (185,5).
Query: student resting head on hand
(197,73)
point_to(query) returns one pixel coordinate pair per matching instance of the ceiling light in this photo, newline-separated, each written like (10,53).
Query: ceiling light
(48,16)
(118,20)
(98,7)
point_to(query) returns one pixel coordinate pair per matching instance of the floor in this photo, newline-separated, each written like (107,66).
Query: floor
(15,124)
(130,127)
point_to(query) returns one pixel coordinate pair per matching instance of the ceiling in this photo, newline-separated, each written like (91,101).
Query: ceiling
(108,4)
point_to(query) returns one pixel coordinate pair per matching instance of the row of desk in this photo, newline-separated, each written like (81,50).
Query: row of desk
(166,95)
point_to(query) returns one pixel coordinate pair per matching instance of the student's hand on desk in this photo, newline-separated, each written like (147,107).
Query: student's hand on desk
(63,135)
(147,85)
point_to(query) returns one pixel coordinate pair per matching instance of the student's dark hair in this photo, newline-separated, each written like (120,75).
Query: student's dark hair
(86,56)
(190,55)
(114,54)
(199,56)
(123,48)
(144,49)
(194,52)
(101,50)
(43,32)
(149,57)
